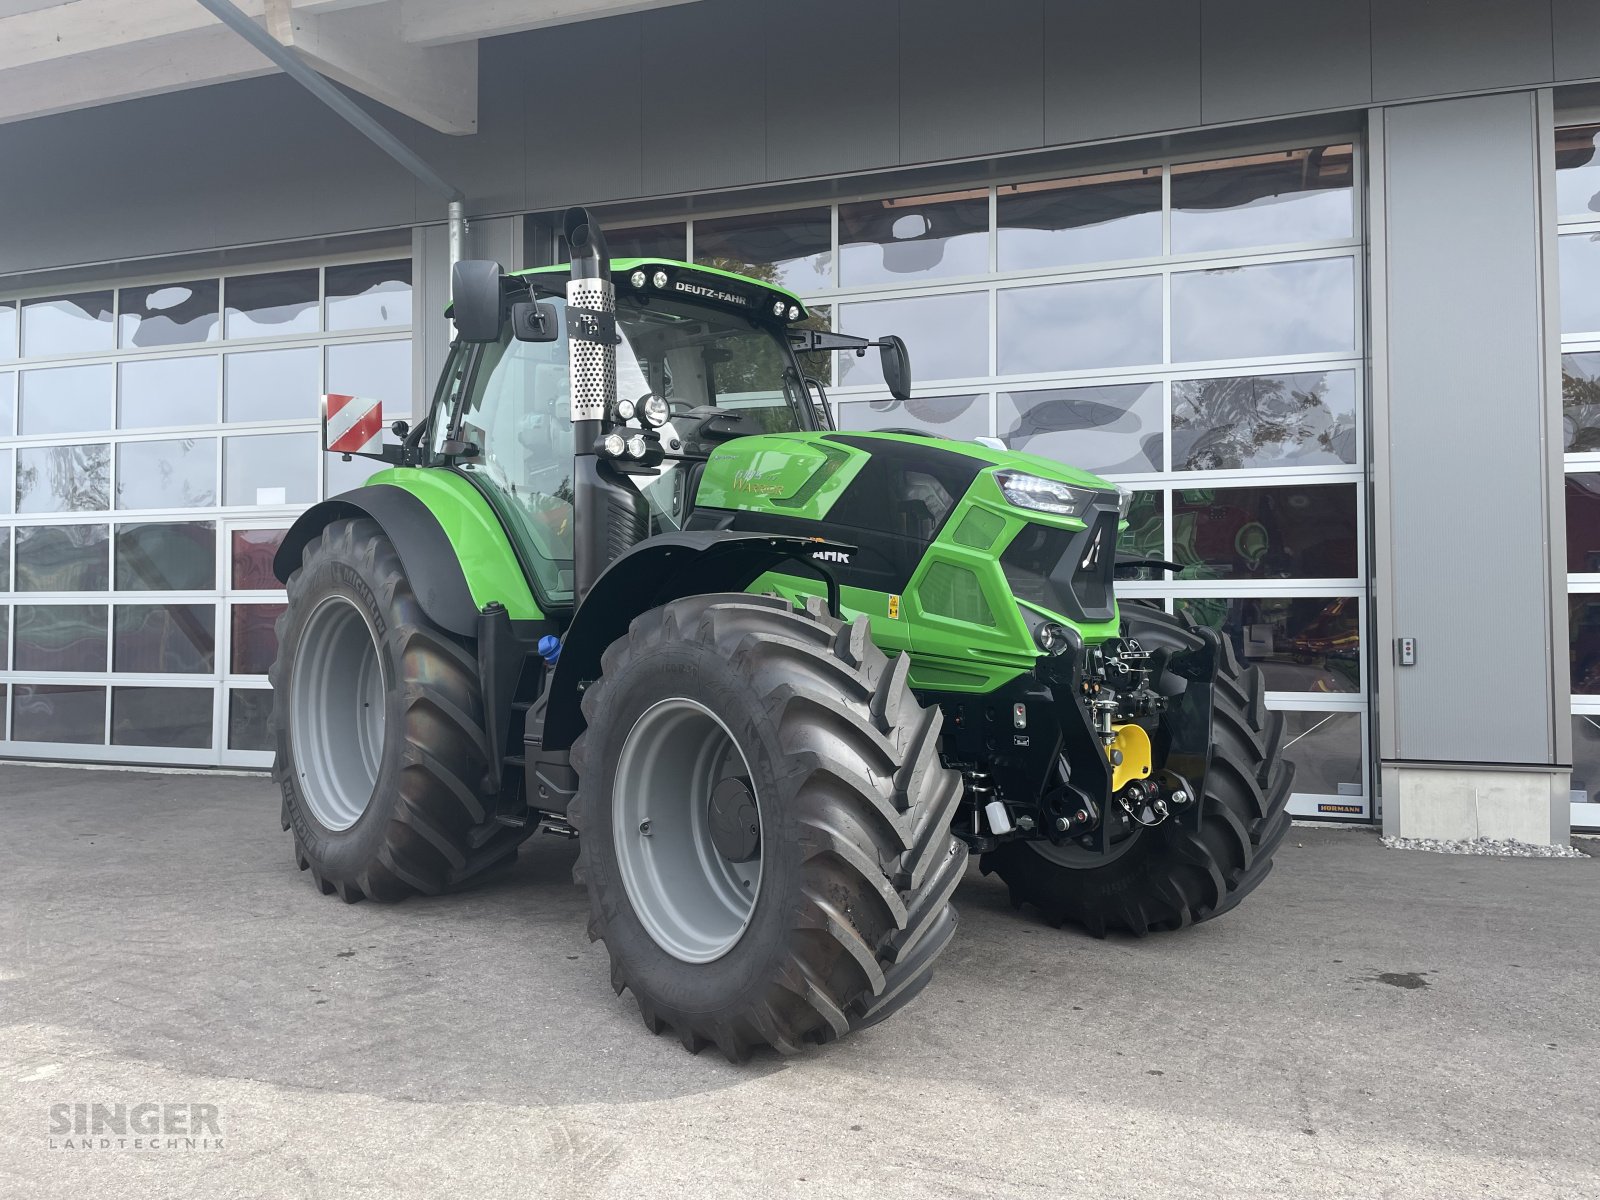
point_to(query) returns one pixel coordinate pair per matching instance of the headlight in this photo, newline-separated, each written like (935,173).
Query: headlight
(659,279)
(636,446)
(614,446)
(637,279)
(654,410)
(1124,502)
(1053,638)
(777,308)
(1044,495)
(794,312)
(625,410)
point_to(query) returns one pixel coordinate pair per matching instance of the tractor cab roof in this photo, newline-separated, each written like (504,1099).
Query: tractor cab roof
(671,279)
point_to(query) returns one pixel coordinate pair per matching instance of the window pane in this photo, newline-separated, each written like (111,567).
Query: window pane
(68,399)
(1580,283)
(158,716)
(369,295)
(63,558)
(169,314)
(63,478)
(8,345)
(66,324)
(5,657)
(948,336)
(1580,402)
(790,249)
(255,637)
(1583,522)
(1068,222)
(271,305)
(960,417)
(1264,421)
(273,385)
(279,468)
(177,474)
(250,719)
(60,637)
(1586,758)
(382,371)
(1144,535)
(7,488)
(1299,532)
(253,552)
(52,713)
(914,238)
(1583,630)
(1249,312)
(1081,326)
(167,558)
(8,402)
(5,560)
(1325,749)
(1263,200)
(159,638)
(1578,171)
(155,392)
(1102,429)
(1301,643)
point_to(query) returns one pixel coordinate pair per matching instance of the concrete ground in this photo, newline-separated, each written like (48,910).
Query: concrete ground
(1369,1023)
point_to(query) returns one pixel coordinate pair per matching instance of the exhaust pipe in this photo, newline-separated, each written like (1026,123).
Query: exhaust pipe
(609,514)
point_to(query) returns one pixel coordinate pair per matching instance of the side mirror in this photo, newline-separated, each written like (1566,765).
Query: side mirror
(475,300)
(532,322)
(896,366)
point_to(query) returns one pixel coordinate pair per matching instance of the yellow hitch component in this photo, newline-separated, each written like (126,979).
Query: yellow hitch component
(1134,743)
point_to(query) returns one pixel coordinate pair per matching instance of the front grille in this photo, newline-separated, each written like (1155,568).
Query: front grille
(1067,572)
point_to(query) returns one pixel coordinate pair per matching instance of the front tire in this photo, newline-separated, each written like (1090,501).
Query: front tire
(378,719)
(765,824)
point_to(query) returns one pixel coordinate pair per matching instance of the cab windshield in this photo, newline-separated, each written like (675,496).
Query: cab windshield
(711,367)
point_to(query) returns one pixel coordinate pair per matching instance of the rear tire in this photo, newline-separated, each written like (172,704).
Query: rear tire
(1171,876)
(853,862)
(381,806)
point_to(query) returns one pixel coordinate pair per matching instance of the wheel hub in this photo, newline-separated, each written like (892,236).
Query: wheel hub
(337,700)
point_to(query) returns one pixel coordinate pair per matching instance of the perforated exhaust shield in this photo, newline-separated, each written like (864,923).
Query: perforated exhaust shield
(592,346)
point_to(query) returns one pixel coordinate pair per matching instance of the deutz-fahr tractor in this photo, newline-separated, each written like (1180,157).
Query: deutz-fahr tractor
(627,583)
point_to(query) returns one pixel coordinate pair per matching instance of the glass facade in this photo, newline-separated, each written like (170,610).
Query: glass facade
(1194,330)
(155,441)
(1578,204)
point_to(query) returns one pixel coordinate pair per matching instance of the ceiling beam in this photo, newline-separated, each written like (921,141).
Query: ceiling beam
(429,23)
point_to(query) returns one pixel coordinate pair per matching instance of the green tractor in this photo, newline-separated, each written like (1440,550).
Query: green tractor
(626,583)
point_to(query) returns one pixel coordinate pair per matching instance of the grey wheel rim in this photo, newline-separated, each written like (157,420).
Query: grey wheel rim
(336,712)
(1079,858)
(693,900)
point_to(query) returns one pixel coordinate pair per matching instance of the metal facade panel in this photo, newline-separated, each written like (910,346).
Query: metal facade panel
(1264,57)
(1576,28)
(1463,451)
(1090,55)
(704,101)
(833,102)
(971,78)
(584,133)
(1424,48)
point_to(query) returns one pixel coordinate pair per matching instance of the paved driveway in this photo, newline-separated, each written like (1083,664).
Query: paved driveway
(1369,1023)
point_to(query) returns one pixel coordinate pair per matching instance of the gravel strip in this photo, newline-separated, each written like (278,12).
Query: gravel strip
(1503,847)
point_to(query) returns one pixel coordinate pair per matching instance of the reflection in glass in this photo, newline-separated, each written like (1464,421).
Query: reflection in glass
(911,238)
(166,557)
(1301,643)
(790,249)
(1578,171)
(1081,326)
(271,305)
(8,349)
(1271,199)
(948,336)
(5,658)
(158,716)
(253,552)
(1303,531)
(279,468)
(1325,748)
(177,474)
(1277,308)
(1580,283)
(1583,632)
(1143,538)
(8,403)
(380,370)
(1264,421)
(255,637)
(156,392)
(66,324)
(1580,402)
(5,560)
(1070,222)
(272,385)
(60,637)
(1102,429)
(67,399)
(63,478)
(960,417)
(369,295)
(56,713)
(1583,522)
(161,638)
(8,493)
(169,314)
(1586,758)
(250,719)
(668,240)
(63,558)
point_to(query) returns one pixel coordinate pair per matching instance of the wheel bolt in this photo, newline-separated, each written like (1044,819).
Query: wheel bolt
(1180,797)
(644,828)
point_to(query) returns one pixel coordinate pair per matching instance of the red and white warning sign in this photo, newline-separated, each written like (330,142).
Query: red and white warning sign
(352,424)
